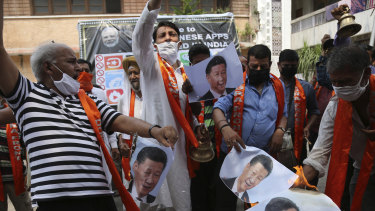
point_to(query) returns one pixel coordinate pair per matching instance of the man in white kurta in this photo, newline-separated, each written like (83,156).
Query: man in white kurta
(175,191)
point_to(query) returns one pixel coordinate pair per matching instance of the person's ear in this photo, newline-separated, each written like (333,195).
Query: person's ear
(47,68)
(278,65)
(270,64)
(179,44)
(366,75)
(135,165)
(156,47)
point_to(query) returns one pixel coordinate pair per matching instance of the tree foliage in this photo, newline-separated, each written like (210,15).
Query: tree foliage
(308,56)
(188,7)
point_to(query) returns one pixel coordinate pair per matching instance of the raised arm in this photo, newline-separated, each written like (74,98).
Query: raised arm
(8,70)
(142,46)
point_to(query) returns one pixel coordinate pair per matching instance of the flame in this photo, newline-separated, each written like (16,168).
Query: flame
(302,181)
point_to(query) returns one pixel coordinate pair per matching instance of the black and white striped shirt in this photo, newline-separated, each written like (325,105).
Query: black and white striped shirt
(65,157)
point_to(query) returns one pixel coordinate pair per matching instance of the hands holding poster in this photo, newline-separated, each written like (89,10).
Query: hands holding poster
(253,175)
(150,164)
(216,76)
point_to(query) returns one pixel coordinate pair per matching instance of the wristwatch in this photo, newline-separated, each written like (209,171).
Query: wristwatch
(283,129)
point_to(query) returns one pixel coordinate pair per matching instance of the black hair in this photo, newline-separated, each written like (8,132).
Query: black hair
(168,24)
(198,49)
(280,203)
(288,55)
(152,153)
(82,61)
(264,160)
(348,58)
(373,54)
(259,52)
(215,61)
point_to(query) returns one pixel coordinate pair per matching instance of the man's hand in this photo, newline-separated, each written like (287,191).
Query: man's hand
(232,139)
(202,133)
(124,148)
(306,132)
(276,141)
(187,87)
(339,11)
(115,154)
(369,133)
(167,136)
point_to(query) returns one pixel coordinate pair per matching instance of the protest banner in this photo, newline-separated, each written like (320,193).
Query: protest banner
(112,36)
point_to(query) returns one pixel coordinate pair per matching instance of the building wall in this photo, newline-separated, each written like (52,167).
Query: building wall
(23,31)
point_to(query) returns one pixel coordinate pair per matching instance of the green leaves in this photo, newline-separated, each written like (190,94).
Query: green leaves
(308,56)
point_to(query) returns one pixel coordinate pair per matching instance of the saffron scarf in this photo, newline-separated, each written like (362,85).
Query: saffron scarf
(94,117)
(172,91)
(299,118)
(84,80)
(342,142)
(125,162)
(238,104)
(14,147)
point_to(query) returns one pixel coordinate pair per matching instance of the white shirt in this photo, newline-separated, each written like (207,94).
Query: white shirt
(234,189)
(321,151)
(217,95)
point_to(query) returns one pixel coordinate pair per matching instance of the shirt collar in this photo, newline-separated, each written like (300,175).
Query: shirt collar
(234,189)
(217,95)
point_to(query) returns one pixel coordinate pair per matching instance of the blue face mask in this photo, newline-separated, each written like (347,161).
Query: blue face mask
(322,75)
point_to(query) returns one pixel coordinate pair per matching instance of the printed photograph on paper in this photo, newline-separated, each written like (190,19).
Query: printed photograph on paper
(149,163)
(253,175)
(216,76)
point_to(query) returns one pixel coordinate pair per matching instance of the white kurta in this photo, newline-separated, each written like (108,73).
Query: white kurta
(175,191)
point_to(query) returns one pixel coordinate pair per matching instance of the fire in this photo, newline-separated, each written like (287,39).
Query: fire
(302,181)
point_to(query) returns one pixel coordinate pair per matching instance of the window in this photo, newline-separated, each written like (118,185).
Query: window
(62,7)
(206,5)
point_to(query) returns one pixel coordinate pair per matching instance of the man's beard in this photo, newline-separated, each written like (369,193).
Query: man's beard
(257,77)
(136,86)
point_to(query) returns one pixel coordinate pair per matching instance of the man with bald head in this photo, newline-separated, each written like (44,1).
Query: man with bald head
(61,128)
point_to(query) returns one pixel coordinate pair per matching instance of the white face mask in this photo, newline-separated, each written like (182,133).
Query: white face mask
(351,93)
(168,51)
(67,85)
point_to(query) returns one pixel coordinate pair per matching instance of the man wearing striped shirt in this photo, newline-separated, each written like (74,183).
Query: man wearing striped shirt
(65,157)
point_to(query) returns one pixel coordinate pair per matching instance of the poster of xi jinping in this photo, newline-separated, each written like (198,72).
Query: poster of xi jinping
(253,175)
(296,200)
(216,76)
(149,163)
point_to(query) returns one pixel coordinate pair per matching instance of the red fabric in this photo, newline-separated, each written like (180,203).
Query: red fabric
(342,141)
(125,162)
(93,115)
(299,118)
(14,147)
(85,79)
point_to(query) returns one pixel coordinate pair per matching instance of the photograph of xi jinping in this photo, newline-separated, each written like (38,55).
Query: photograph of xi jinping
(254,172)
(148,168)
(216,75)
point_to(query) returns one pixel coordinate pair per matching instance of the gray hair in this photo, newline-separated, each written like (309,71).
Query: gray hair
(44,53)
(349,58)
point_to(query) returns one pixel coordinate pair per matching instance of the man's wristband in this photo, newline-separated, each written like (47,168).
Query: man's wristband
(149,130)
(224,125)
(281,128)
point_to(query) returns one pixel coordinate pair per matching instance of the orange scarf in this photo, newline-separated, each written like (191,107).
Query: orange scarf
(14,147)
(171,89)
(84,79)
(94,117)
(299,118)
(238,104)
(125,162)
(342,142)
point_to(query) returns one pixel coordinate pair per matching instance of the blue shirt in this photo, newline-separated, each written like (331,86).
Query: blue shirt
(259,114)
(311,104)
